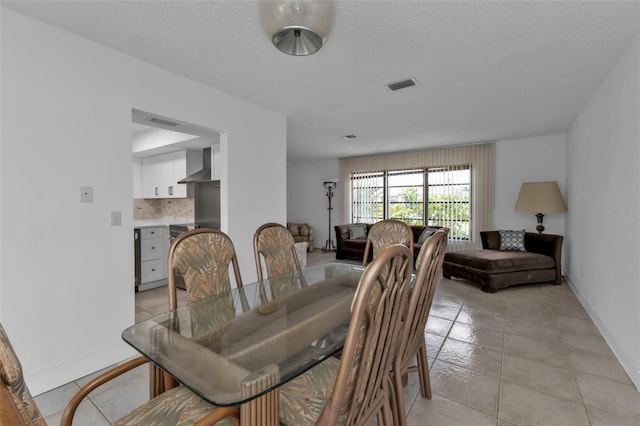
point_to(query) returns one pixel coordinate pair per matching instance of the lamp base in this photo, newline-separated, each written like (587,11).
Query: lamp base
(329,246)
(540,227)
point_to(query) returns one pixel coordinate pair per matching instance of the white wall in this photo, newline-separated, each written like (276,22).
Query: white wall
(603,222)
(536,159)
(307,200)
(66,276)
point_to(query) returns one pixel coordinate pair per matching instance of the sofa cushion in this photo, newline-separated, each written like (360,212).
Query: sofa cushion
(294,228)
(497,261)
(426,233)
(512,240)
(357,231)
(304,230)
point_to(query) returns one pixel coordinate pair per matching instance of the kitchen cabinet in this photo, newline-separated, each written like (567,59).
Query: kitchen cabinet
(153,254)
(161,173)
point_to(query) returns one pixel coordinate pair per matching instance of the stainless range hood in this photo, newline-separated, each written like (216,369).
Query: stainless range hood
(203,175)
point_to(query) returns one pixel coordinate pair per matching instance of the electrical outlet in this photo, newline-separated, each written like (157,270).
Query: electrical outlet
(116,218)
(86,194)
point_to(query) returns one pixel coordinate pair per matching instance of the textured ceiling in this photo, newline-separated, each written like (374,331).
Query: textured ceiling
(486,70)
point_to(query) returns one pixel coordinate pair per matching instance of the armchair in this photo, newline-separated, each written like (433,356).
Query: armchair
(302,233)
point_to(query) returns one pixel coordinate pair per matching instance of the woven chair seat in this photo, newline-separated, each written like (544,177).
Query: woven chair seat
(303,399)
(177,406)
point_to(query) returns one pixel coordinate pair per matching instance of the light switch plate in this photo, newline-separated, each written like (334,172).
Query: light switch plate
(86,194)
(116,218)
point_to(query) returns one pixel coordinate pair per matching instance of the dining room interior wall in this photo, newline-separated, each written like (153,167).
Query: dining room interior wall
(603,221)
(66,275)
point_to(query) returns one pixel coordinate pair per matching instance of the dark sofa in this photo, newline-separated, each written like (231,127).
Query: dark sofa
(494,269)
(347,248)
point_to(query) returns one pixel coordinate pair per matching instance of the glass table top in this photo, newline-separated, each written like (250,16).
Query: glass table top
(235,346)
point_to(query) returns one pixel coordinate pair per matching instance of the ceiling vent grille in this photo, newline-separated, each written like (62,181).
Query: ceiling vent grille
(349,137)
(163,122)
(403,84)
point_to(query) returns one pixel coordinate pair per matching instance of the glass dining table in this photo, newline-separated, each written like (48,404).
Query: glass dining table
(236,348)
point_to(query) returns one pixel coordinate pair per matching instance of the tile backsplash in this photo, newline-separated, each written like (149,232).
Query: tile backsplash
(163,208)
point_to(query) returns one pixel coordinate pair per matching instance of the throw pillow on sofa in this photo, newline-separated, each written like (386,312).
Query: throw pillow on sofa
(512,240)
(357,231)
(426,233)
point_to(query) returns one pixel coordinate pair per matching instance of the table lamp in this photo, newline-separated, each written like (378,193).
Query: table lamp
(540,198)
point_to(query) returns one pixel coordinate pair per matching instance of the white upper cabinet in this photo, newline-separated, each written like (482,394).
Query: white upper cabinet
(161,173)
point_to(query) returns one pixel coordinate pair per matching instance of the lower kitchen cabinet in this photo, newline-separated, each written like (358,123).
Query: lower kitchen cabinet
(153,254)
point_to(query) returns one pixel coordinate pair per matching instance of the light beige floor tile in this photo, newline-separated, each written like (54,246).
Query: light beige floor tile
(440,411)
(444,298)
(433,343)
(471,388)
(489,303)
(139,373)
(591,343)
(474,357)
(534,330)
(477,335)
(55,400)
(570,310)
(536,349)
(604,418)
(493,320)
(528,407)
(555,292)
(86,414)
(122,399)
(576,325)
(609,395)
(597,365)
(441,310)
(438,326)
(557,381)
(505,423)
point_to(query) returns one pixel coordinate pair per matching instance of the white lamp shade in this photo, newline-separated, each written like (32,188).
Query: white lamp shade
(540,197)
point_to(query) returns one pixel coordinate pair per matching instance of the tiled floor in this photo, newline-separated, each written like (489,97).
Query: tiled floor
(527,355)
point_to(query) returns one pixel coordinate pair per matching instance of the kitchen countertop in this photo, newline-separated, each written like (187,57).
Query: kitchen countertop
(147,223)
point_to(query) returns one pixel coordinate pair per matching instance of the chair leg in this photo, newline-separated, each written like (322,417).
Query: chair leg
(423,372)
(399,413)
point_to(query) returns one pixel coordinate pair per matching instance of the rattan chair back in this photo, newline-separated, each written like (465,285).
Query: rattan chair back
(203,257)
(273,243)
(412,341)
(362,386)
(386,233)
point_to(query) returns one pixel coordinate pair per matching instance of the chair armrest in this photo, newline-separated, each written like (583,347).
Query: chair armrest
(103,378)
(9,414)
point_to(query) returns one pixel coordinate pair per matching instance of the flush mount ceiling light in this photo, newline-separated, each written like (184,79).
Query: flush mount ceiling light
(297,27)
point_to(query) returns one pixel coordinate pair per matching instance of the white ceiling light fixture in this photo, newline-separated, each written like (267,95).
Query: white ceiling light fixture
(297,27)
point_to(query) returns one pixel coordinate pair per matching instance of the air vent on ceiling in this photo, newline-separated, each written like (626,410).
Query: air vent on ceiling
(349,137)
(163,122)
(402,84)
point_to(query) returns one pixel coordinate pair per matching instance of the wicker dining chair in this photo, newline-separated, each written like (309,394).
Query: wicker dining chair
(412,340)
(203,257)
(355,389)
(178,405)
(384,234)
(274,243)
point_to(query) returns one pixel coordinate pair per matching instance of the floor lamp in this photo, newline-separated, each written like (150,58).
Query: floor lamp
(329,186)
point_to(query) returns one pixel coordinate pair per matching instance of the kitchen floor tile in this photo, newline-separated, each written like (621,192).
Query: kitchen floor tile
(433,343)
(576,325)
(609,395)
(534,330)
(124,398)
(591,343)
(441,310)
(528,407)
(493,320)
(56,400)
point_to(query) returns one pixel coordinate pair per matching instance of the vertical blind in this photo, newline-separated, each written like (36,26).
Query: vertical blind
(444,170)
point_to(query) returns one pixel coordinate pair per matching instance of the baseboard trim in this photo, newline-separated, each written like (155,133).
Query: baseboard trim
(65,373)
(632,370)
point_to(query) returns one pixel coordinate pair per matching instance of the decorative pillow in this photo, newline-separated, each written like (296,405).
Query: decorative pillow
(304,230)
(426,233)
(512,240)
(357,231)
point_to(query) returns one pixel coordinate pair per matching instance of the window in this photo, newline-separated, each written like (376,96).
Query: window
(400,194)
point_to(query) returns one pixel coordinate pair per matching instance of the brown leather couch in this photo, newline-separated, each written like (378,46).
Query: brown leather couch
(347,248)
(494,269)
